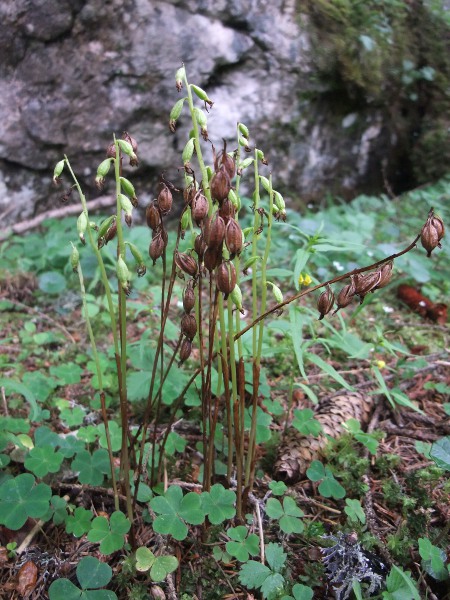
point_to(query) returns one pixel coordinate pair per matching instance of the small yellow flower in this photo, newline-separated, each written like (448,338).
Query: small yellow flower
(380,364)
(304,279)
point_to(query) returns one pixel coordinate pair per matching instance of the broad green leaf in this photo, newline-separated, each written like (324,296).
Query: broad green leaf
(144,559)
(242,545)
(433,559)
(63,589)
(20,498)
(253,574)
(302,592)
(110,534)
(440,453)
(91,467)
(26,392)
(330,488)
(272,586)
(162,566)
(218,504)
(43,460)
(278,487)
(80,522)
(316,471)
(354,510)
(305,422)
(52,282)
(92,573)
(400,586)
(68,373)
(275,556)
(274,510)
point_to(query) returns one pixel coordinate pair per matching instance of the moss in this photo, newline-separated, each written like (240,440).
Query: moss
(391,55)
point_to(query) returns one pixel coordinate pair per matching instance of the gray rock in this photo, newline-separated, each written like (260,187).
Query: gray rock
(72,73)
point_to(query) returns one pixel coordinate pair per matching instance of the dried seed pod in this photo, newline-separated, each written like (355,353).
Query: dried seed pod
(153,216)
(156,247)
(226,277)
(185,350)
(199,207)
(189,326)
(111,150)
(200,246)
(220,185)
(385,275)
(438,224)
(127,137)
(186,263)
(188,298)
(345,296)
(227,210)
(165,200)
(429,237)
(366,283)
(110,234)
(216,232)
(325,302)
(233,237)
(212,257)
(189,194)
(225,161)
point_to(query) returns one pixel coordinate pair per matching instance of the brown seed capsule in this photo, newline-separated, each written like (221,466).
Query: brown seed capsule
(220,185)
(429,237)
(127,137)
(227,210)
(189,326)
(225,161)
(216,232)
(199,207)
(153,216)
(325,302)
(156,248)
(212,257)
(128,219)
(366,283)
(226,277)
(233,237)
(185,350)
(385,275)
(165,200)
(200,246)
(186,263)
(189,194)
(110,232)
(438,224)
(188,298)
(111,151)
(345,296)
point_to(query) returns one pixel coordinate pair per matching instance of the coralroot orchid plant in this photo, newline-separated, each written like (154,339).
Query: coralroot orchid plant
(212,253)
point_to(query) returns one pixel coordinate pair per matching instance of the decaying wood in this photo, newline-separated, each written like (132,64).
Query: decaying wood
(56,213)
(297,451)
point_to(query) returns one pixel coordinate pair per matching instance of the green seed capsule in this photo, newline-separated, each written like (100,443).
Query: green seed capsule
(236,298)
(279,201)
(82,226)
(123,274)
(58,170)
(188,151)
(276,292)
(198,91)
(176,109)
(126,147)
(74,258)
(104,226)
(243,129)
(125,204)
(200,117)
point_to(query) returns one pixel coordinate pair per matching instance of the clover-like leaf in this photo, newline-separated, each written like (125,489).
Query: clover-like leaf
(58,507)
(354,510)
(278,487)
(287,513)
(159,566)
(305,422)
(43,460)
(440,453)
(70,445)
(242,543)
(80,522)
(110,534)
(263,421)
(20,498)
(91,467)
(175,510)
(433,559)
(329,488)
(218,504)
(92,574)
(115,433)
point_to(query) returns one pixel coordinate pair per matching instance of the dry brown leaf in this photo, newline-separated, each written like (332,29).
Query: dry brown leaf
(27,578)
(3,554)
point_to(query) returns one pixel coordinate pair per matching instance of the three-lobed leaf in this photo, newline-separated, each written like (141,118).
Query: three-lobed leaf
(242,544)
(43,460)
(20,498)
(110,534)
(175,510)
(91,574)
(218,504)
(287,513)
(159,566)
(91,467)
